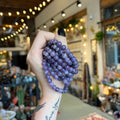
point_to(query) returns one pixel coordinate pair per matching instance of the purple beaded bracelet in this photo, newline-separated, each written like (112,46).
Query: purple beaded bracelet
(59,63)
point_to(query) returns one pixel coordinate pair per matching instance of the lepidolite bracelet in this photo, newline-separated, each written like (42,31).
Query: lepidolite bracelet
(59,63)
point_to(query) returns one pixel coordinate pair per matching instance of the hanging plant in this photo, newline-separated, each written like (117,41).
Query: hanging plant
(99,36)
(116,37)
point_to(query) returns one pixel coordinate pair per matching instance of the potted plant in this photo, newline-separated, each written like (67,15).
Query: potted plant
(116,37)
(99,36)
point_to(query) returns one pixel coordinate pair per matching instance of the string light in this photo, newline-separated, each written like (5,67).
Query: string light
(72,29)
(24,24)
(21,28)
(79,4)
(24,12)
(10,26)
(81,20)
(16,23)
(30,10)
(35,8)
(44,3)
(44,26)
(84,36)
(2,39)
(109,88)
(115,10)
(81,27)
(5,38)
(22,20)
(38,8)
(76,25)
(84,53)
(91,87)
(1,13)
(4,28)
(11,35)
(26,27)
(84,44)
(8,37)
(18,13)
(33,12)
(48,0)
(14,34)
(9,13)
(70,25)
(28,17)
(40,5)
(63,14)
(52,20)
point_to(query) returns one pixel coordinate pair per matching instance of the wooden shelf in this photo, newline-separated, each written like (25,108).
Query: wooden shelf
(74,41)
(12,49)
(75,50)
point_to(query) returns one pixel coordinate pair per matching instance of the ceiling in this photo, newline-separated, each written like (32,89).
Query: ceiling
(18,5)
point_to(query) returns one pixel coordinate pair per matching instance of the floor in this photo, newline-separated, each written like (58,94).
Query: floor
(72,108)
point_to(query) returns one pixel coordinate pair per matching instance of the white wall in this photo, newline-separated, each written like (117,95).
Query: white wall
(93,8)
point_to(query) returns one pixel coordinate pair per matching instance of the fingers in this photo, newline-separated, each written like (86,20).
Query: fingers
(61,39)
(41,39)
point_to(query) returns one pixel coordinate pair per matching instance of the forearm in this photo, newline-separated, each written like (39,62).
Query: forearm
(48,107)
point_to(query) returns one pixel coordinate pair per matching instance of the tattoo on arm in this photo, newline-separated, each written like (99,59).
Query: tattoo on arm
(55,107)
(37,109)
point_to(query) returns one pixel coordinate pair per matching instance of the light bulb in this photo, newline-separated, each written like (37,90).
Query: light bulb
(72,29)
(45,26)
(115,10)
(16,32)
(79,4)
(52,20)
(9,13)
(11,35)
(24,12)
(76,25)
(44,3)
(22,20)
(5,38)
(8,37)
(40,5)
(24,24)
(21,28)
(35,8)
(81,27)
(81,20)
(10,26)
(30,10)
(84,53)
(48,0)
(28,17)
(33,12)
(1,13)
(39,9)
(18,13)
(16,23)
(70,25)
(84,44)
(4,28)
(63,14)
(26,27)
(2,39)
(84,36)
(109,88)
(91,87)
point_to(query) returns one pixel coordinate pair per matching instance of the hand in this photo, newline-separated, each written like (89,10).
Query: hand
(35,57)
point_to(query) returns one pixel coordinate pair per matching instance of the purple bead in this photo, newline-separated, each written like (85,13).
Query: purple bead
(70,74)
(49,51)
(56,57)
(47,76)
(57,49)
(50,69)
(59,67)
(46,72)
(59,44)
(67,51)
(70,79)
(66,72)
(45,67)
(64,55)
(54,87)
(52,53)
(51,84)
(73,59)
(47,48)
(55,63)
(43,63)
(60,52)
(69,62)
(76,66)
(64,64)
(63,47)
(52,73)
(55,76)
(70,55)
(49,80)
(60,61)
(60,74)
(45,53)
(55,41)
(48,57)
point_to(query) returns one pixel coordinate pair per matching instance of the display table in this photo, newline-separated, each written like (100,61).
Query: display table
(72,108)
